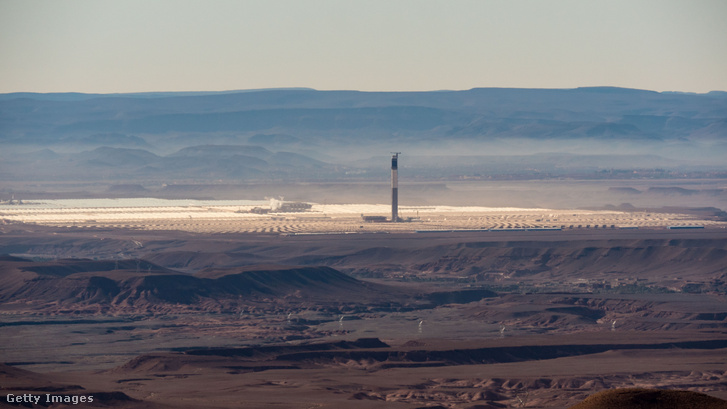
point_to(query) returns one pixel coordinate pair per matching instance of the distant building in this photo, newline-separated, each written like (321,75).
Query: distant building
(294,207)
(290,207)
(374,219)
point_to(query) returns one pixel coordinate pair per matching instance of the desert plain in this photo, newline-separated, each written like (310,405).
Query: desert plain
(191,303)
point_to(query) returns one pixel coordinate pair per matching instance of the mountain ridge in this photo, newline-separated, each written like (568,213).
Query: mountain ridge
(355,125)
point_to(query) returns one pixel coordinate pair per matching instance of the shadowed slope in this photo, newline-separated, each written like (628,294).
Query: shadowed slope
(650,399)
(137,285)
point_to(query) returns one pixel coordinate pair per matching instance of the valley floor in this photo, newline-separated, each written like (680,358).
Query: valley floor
(538,319)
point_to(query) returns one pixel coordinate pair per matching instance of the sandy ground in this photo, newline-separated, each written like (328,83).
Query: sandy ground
(235,217)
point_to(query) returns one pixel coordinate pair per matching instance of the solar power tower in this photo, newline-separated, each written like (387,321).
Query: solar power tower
(394,187)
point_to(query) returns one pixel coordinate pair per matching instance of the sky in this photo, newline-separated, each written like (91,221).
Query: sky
(116,46)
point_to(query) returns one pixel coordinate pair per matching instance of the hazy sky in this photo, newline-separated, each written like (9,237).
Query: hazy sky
(185,45)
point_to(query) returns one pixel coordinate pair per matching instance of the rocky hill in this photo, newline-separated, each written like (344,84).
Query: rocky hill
(650,399)
(81,285)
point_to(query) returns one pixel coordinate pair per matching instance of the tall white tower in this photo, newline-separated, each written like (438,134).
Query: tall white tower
(394,187)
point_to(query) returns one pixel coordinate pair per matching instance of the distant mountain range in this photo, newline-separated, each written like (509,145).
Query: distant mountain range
(307,134)
(478,113)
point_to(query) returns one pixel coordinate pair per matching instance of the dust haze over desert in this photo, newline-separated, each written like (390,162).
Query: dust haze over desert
(410,204)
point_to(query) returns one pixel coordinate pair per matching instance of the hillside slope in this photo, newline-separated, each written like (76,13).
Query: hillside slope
(137,286)
(650,399)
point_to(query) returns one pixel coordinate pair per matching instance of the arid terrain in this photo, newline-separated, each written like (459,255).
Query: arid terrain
(212,306)
(553,244)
